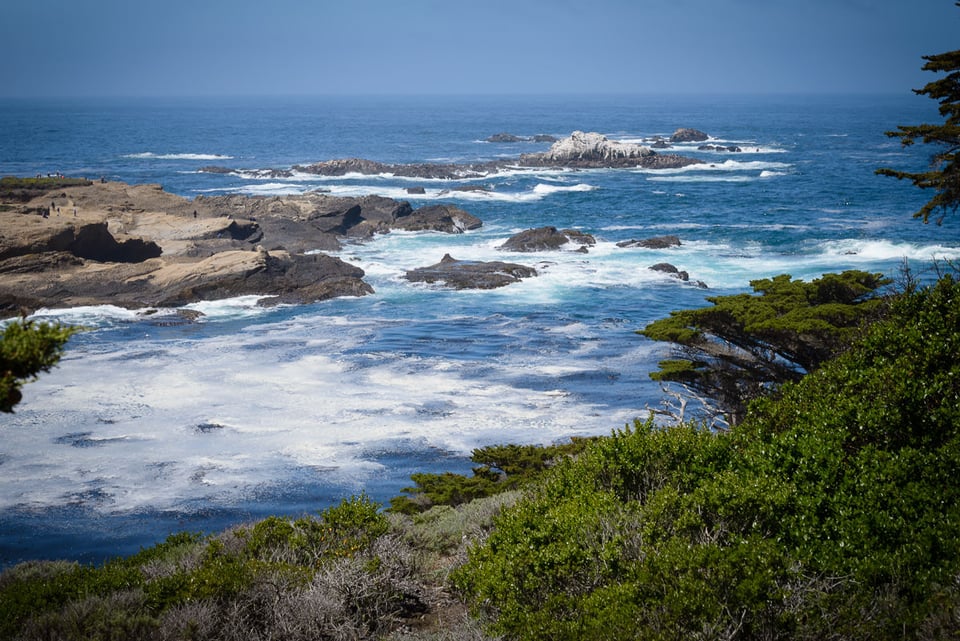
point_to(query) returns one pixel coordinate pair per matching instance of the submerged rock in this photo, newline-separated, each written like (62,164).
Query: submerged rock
(546,239)
(462,274)
(654,242)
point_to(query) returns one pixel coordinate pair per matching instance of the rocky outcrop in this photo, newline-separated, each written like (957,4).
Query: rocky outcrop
(462,274)
(654,242)
(137,246)
(284,277)
(685,134)
(442,171)
(595,151)
(667,268)
(671,270)
(442,218)
(547,239)
(579,150)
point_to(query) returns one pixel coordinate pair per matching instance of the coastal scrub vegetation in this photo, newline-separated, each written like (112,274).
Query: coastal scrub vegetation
(346,573)
(28,348)
(830,512)
(746,345)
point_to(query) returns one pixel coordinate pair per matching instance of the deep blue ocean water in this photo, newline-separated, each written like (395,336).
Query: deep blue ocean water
(146,429)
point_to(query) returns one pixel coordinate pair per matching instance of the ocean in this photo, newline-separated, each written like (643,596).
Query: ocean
(148,428)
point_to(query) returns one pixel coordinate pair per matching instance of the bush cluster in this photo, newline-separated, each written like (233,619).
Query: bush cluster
(831,512)
(337,575)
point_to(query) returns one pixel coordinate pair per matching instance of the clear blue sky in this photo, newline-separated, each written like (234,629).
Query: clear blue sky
(245,47)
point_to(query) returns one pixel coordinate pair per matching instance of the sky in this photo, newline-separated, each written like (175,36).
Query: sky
(87,48)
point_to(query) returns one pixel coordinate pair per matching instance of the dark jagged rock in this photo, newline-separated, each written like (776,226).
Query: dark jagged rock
(667,268)
(730,148)
(344,166)
(461,274)
(505,137)
(443,218)
(685,134)
(679,274)
(416,191)
(546,239)
(655,242)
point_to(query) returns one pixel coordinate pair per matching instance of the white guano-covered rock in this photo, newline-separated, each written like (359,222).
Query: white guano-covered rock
(594,146)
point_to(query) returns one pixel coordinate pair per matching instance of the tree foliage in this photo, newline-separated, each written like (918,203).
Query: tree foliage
(26,349)
(746,345)
(500,468)
(944,173)
(829,513)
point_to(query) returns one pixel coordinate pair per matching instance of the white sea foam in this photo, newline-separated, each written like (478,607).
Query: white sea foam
(727,165)
(693,148)
(348,189)
(215,419)
(149,155)
(857,250)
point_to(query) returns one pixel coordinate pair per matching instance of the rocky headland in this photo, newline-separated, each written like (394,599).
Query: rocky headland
(136,246)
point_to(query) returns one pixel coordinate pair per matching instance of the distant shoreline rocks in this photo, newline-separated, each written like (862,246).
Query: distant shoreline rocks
(580,150)
(509,138)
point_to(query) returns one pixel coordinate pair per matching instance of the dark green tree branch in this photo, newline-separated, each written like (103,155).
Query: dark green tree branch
(746,345)
(944,173)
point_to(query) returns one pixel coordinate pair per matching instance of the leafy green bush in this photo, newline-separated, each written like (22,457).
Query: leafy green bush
(26,349)
(830,512)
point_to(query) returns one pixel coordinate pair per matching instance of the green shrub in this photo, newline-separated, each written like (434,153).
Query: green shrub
(831,512)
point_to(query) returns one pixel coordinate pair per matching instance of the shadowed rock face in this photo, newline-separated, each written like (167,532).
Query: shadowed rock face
(92,241)
(462,274)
